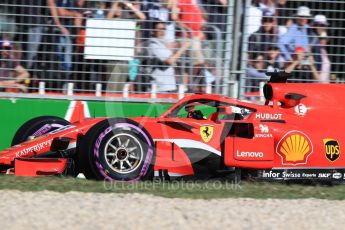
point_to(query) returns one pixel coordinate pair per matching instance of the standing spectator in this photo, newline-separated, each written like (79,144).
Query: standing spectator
(12,74)
(284,14)
(303,66)
(254,16)
(325,62)
(65,18)
(165,59)
(7,20)
(217,13)
(298,35)
(255,72)
(159,10)
(191,17)
(32,21)
(319,27)
(320,24)
(168,13)
(126,10)
(119,70)
(151,10)
(265,37)
(274,60)
(268,5)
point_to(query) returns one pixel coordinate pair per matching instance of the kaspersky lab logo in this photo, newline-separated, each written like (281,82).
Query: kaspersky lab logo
(332,149)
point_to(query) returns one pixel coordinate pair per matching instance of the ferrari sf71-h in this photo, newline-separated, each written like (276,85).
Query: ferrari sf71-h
(297,134)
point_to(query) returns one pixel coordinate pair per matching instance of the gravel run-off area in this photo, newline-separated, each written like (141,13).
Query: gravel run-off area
(75,210)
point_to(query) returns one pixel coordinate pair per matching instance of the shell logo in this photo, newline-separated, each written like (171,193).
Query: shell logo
(294,148)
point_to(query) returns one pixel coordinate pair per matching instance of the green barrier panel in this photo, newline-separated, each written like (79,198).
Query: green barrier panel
(15,112)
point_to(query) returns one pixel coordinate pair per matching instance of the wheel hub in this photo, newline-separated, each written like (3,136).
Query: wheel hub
(122,154)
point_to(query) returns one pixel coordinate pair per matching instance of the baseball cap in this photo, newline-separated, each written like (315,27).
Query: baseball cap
(299,49)
(303,11)
(6,44)
(320,19)
(267,16)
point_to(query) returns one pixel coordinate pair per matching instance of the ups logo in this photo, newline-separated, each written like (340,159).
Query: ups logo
(332,149)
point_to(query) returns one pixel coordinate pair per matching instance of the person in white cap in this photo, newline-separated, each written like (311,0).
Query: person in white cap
(325,72)
(320,24)
(298,35)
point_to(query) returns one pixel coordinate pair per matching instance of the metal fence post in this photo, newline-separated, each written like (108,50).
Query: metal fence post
(218,57)
(228,48)
(244,55)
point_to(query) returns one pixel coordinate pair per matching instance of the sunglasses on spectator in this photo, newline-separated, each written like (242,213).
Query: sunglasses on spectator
(267,20)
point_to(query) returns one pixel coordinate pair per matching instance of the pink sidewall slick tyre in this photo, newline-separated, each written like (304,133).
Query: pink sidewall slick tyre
(37,127)
(117,149)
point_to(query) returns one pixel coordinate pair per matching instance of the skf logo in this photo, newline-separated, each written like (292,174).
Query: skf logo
(206,132)
(332,149)
(294,148)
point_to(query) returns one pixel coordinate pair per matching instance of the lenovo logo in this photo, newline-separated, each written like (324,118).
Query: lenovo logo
(250,154)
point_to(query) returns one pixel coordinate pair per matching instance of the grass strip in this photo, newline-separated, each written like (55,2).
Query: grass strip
(178,189)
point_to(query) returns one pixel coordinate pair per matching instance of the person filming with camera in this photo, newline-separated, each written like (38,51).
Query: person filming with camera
(13,76)
(165,58)
(303,66)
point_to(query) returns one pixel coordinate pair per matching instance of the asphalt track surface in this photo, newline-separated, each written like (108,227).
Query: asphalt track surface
(74,210)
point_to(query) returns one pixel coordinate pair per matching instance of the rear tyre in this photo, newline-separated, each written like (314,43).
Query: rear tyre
(37,127)
(117,149)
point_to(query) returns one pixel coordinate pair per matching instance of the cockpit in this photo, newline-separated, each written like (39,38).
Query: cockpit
(209,109)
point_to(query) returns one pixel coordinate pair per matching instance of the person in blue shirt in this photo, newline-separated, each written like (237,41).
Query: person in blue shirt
(298,35)
(255,72)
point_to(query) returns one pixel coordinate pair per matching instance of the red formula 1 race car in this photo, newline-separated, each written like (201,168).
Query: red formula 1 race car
(297,134)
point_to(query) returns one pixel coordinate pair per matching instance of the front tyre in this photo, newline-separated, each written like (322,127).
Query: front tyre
(37,127)
(117,149)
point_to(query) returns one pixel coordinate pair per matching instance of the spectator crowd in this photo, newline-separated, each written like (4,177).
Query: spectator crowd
(284,38)
(50,38)
(44,40)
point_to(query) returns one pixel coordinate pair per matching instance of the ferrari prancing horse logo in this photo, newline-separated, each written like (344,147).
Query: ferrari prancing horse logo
(206,132)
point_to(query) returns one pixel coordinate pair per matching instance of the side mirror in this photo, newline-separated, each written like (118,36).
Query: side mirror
(60,144)
(225,110)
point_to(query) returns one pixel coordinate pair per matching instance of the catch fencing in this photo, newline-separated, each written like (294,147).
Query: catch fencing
(110,50)
(116,50)
(304,38)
